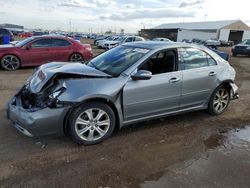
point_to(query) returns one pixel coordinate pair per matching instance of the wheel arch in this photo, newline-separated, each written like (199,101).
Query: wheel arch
(226,83)
(74,52)
(96,99)
(14,54)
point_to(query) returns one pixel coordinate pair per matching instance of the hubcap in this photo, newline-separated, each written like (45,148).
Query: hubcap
(10,62)
(221,100)
(76,58)
(92,124)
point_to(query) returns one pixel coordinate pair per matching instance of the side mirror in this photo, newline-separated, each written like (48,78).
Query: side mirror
(27,47)
(142,75)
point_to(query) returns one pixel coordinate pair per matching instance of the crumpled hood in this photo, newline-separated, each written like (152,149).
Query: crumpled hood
(48,71)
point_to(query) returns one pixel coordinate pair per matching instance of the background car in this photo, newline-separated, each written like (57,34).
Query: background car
(6,32)
(101,43)
(242,49)
(162,39)
(130,83)
(25,34)
(38,50)
(122,40)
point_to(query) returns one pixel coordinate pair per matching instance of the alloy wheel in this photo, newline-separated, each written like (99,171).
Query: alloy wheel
(221,100)
(76,58)
(10,62)
(92,124)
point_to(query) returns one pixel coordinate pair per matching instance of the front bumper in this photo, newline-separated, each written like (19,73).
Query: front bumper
(234,92)
(36,123)
(241,51)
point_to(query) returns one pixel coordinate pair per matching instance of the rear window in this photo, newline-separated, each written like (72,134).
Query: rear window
(60,43)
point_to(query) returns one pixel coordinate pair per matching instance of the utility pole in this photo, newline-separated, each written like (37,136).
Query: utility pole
(70,25)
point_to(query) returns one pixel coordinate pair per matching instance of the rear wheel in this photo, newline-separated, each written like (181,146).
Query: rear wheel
(219,101)
(76,58)
(10,62)
(91,123)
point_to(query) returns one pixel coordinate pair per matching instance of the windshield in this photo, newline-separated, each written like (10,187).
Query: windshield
(23,42)
(246,42)
(117,60)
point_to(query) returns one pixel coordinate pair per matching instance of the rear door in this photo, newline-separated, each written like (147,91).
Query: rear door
(61,50)
(199,77)
(36,52)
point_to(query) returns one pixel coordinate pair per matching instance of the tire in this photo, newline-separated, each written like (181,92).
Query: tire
(219,100)
(10,62)
(234,54)
(83,123)
(76,57)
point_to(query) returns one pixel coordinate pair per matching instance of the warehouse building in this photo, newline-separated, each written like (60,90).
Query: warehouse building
(230,30)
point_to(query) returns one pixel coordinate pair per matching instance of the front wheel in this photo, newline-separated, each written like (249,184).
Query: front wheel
(91,123)
(219,101)
(10,62)
(76,58)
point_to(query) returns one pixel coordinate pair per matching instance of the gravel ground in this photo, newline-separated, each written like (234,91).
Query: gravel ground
(189,150)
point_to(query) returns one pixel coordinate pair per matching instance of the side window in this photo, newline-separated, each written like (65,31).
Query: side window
(129,39)
(138,39)
(211,61)
(162,62)
(60,43)
(41,43)
(194,58)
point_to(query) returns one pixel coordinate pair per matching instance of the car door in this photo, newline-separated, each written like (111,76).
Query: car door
(199,77)
(160,94)
(61,50)
(36,52)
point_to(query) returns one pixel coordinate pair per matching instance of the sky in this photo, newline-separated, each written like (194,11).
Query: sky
(130,15)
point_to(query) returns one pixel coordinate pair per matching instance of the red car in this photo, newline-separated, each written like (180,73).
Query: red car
(25,34)
(38,50)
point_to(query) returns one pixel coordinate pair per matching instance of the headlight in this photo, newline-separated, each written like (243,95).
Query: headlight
(248,48)
(58,92)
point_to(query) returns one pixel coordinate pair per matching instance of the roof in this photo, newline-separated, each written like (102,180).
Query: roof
(211,25)
(153,45)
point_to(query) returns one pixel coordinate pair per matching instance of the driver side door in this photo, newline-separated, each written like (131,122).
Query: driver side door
(37,52)
(158,95)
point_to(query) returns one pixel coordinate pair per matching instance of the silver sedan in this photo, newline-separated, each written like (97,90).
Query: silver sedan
(130,83)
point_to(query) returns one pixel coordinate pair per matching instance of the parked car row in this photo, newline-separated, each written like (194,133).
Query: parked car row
(39,50)
(113,41)
(210,42)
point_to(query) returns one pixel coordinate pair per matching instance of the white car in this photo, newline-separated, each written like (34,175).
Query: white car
(162,39)
(101,43)
(213,42)
(121,40)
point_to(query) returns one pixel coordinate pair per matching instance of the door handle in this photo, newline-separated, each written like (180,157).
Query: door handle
(174,80)
(212,74)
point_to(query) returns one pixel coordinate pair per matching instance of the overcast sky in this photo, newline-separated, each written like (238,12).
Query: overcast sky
(131,15)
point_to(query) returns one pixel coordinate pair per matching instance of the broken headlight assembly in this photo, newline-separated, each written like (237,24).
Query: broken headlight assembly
(53,97)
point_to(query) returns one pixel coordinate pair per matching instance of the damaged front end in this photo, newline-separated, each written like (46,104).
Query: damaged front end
(36,109)
(37,114)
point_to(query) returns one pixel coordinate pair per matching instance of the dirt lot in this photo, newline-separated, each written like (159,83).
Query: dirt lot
(189,150)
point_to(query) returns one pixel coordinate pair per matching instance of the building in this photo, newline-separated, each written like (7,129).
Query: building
(230,30)
(11,26)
